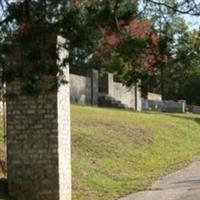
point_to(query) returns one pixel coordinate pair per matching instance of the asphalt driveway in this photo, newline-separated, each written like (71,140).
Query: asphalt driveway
(181,185)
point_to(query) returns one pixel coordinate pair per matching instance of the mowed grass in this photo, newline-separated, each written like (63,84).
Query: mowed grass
(117,152)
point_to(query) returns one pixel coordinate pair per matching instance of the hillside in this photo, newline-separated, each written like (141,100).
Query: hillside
(116,152)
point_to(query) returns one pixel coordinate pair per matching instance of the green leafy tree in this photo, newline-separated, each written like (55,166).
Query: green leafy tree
(169,26)
(28,29)
(185,71)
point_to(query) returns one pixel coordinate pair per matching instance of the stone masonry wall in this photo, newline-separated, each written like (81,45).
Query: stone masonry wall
(38,142)
(32,146)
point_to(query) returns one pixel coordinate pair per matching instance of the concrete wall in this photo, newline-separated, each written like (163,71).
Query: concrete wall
(156,105)
(174,106)
(145,104)
(139,98)
(196,109)
(80,89)
(165,106)
(86,90)
(154,97)
(124,94)
(154,102)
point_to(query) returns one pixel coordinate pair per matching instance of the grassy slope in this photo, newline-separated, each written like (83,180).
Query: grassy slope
(118,152)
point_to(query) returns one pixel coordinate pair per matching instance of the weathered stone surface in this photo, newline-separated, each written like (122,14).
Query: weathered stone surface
(38,141)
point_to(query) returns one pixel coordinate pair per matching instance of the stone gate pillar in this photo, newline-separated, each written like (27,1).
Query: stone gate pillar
(38,140)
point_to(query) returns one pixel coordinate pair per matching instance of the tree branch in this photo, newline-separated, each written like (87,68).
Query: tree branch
(192,10)
(6,20)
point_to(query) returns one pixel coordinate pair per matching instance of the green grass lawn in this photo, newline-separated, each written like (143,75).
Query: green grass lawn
(116,152)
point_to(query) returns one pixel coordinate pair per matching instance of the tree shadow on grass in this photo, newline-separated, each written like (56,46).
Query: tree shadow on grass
(192,118)
(3,189)
(189,116)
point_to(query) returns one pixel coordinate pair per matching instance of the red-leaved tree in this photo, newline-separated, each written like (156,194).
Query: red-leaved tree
(132,52)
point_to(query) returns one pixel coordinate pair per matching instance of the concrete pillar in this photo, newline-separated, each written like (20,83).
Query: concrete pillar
(38,138)
(110,84)
(106,84)
(94,76)
(138,97)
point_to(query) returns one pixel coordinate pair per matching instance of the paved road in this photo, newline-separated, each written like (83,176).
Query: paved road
(181,185)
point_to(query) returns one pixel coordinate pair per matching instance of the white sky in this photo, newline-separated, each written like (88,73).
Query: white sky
(193,22)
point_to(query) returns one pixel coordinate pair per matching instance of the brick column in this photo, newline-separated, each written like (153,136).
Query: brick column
(38,140)
(94,76)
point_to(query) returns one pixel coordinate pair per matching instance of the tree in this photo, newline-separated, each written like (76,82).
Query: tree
(28,36)
(105,14)
(169,26)
(30,25)
(93,28)
(191,7)
(132,53)
(185,71)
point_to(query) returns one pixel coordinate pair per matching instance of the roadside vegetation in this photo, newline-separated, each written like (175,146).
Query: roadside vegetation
(3,190)
(117,152)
